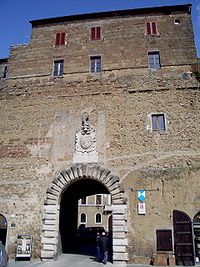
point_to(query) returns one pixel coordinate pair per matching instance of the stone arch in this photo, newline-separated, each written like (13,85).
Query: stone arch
(50,229)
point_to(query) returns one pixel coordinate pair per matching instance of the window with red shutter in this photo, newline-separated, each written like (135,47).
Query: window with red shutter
(57,38)
(95,33)
(148,28)
(60,38)
(151,28)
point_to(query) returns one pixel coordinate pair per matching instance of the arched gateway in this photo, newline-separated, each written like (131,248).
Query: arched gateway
(50,231)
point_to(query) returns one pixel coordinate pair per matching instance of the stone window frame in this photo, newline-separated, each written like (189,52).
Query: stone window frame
(95,219)
(80,220)
(60,71)
(95,57)
(156,66)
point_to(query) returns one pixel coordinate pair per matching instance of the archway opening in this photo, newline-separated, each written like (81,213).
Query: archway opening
(3,229)
(82,214)
(196,227)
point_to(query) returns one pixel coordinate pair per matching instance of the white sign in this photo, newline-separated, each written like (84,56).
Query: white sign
(141,208)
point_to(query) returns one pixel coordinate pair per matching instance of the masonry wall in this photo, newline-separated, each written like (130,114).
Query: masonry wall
(41,114)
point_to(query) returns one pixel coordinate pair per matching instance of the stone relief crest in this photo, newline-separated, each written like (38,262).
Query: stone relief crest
(85,143)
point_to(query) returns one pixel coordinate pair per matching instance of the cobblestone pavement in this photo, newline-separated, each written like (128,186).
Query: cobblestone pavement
(66,260)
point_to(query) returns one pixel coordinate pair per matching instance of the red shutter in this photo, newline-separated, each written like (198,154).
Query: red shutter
(57,38)
(154,31)
(62,41)
(93,33)
(98,33)
(148,28)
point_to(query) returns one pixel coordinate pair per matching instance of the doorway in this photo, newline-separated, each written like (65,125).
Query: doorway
(183,239)
(77,237)
(3,229)
(78,181)
(196,228)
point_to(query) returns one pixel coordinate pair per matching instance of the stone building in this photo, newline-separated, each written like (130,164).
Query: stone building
(95,211)
(104,103)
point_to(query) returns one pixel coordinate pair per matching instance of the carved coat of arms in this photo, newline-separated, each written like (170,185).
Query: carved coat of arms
(85,143)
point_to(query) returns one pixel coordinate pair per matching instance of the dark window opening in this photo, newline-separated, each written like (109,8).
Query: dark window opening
(83,218)
(98,218)
(98,200)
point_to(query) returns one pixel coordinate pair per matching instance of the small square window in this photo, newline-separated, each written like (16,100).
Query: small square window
(58,68)
(60,38)
(177,21)
(158,122)
(151,28)
(154,60)
(95,64)
(95,33)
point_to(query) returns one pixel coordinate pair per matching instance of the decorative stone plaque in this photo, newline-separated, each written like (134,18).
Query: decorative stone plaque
(85,143)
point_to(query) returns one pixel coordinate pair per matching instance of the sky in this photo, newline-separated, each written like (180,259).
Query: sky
(15,15)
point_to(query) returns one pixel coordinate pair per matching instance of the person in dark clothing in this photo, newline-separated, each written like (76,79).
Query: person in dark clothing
(3,255)
(98,247)
(104,244)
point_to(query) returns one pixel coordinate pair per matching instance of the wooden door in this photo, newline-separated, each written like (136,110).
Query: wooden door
(183,240)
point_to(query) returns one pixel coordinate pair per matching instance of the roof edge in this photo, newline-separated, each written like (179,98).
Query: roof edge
(115,13)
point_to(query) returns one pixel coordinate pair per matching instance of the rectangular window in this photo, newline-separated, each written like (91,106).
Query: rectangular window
(98,199)
(158,122)
(154,60)
(95,33)
(58,68)
(60,38)
(151,28)
(164,240)
(95,64)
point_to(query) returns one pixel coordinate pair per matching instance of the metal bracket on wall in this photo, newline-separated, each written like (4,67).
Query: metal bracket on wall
(134,190)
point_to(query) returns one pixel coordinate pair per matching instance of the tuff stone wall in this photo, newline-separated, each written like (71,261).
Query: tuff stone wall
(41,114)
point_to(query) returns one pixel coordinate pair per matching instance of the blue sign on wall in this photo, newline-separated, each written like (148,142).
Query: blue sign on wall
(141,195)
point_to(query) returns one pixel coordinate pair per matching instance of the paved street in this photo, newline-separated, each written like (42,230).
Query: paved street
(65,260)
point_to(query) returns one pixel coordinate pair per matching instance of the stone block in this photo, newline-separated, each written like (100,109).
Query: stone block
(120,256)
(120,242)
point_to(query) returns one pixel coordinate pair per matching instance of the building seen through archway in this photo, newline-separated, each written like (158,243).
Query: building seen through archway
(85,209)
